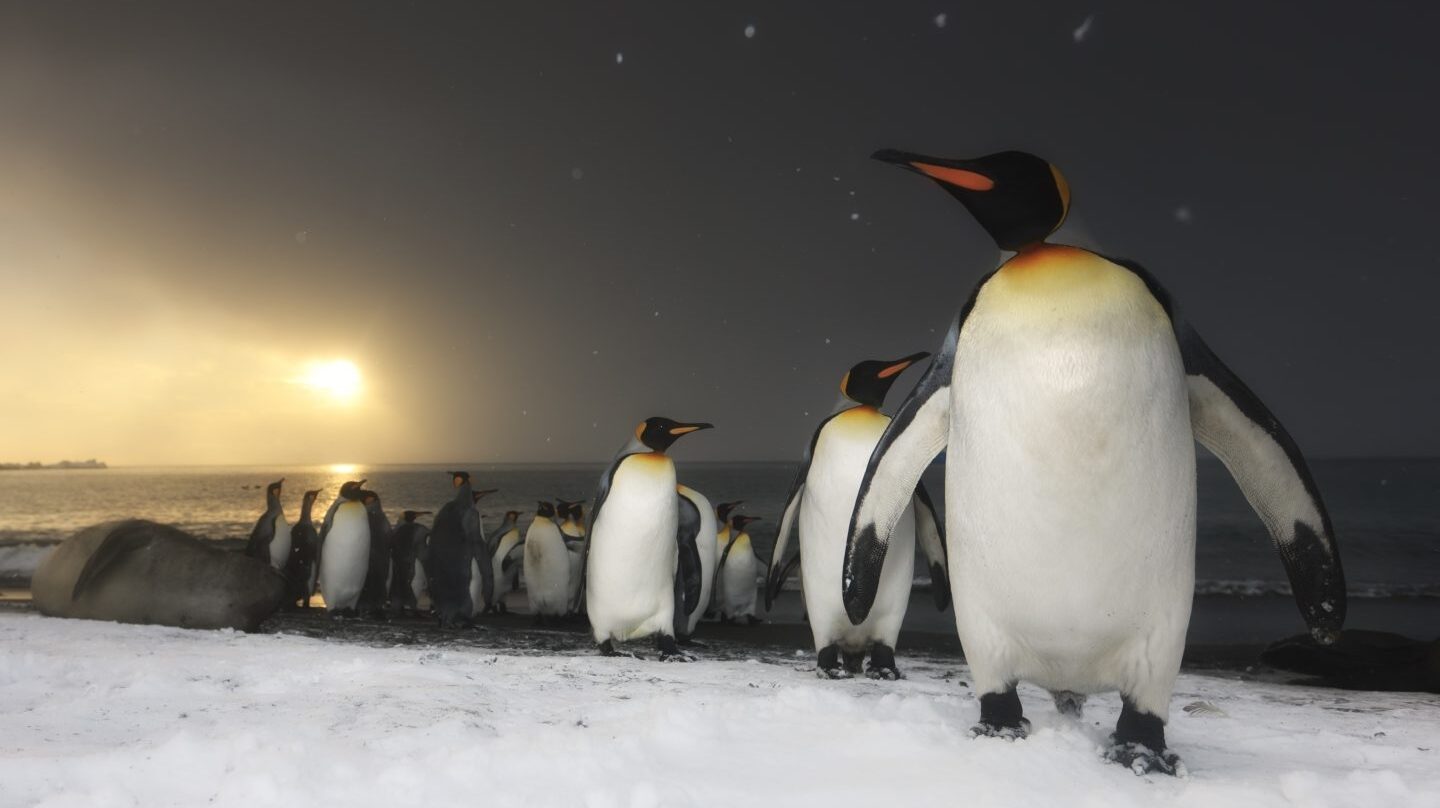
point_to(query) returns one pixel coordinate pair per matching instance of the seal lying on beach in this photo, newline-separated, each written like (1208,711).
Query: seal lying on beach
(138,571)
(1362,660)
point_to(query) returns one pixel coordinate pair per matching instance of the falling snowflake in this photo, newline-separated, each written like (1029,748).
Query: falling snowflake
(1084,29)
(302,236)
(577,174)
(940,20)
(749,32)
(595,352)
(854,217)
(1183,215)
(619,58)
(827,340)
(657,314)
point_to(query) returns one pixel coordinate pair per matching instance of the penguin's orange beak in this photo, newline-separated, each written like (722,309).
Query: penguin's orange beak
(949,172)
(900,364)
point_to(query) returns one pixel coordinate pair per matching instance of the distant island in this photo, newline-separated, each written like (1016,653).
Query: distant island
(92,463)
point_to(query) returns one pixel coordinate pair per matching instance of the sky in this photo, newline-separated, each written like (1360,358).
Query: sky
(529,226)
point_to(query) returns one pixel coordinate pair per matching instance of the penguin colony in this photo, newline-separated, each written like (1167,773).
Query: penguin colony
(1067,395)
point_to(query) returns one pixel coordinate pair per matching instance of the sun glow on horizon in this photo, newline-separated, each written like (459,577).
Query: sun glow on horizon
(337,378)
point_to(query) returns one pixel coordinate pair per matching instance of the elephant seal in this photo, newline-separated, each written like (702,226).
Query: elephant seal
(137,571)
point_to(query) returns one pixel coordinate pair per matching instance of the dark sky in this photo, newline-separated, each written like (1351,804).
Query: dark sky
(528,244)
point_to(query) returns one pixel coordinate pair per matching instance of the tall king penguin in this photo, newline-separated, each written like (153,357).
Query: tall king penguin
(454,535)
(637,541)
(301,570)
(270,538)
(1068,397)
(821,500)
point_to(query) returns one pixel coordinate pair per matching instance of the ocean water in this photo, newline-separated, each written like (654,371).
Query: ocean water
(1386,512)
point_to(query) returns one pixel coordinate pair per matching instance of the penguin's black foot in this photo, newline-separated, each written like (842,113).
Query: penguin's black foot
(854,662)
(882,664)
(1139,743)
(827,664)
(690,642)
(669,651)
(608,649)
(1141,759)
(1069,703)
(1001,717)
(752,620)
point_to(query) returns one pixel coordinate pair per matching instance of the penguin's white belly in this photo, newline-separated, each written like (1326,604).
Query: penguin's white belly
(346,557)
(477,590)
(547,569)
(280,545)
(740,574)
(418,582)
(1071,482)
(630,583)
(836,470)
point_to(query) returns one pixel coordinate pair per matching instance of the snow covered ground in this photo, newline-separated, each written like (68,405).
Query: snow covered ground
(99,714)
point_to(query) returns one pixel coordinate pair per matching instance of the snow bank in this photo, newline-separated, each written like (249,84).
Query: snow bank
(101,714)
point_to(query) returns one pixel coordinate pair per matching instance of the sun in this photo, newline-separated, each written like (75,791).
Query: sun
(337,378)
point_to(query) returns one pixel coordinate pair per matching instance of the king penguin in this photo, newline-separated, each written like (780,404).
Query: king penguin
(375,595)
(345,551)
(506,561)
(406,543)
(1068,396)
(820,501)
(454,536)
(574,529)
(633,547)
(270,538)
(547,566)
(301,569)
(722,539)
(738,569)
(709,553)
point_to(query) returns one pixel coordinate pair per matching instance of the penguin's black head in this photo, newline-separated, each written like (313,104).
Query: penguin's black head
(1017,197)
(868,382)
(739,521)
(546,510)
(658,433)
(476,496)
(273,489)
(369,497)
(512,515)
(458,478)
(722,511)
(311,495)
(409,516)
(566,508)
(353,490)
(577,510)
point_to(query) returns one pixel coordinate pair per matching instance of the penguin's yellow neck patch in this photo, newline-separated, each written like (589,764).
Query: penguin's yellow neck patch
(1053,268)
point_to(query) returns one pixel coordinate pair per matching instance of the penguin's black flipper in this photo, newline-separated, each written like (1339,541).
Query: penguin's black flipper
(600,495)
(688,570)
(510,560)
(128,537)
(915,436)
(1231,421)
(261,536)
(930,532)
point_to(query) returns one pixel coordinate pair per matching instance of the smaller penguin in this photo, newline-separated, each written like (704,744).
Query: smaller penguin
(722,539)
(574,529)
(480,572)
(547,566)
(270,538)
(345,551)
(709,553)
(506,560)
(406,542)
(301,570)
(739,568)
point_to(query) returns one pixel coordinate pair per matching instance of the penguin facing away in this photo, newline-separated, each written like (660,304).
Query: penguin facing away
(270,538)
(480,572)
(453,537)
(376,592)
(345,551)
(547,566)
(709,555)
(738,568)
(574,529)
(820,502)
(1068,396)
(301,569)
(406,542)
(722,539)
(633,544)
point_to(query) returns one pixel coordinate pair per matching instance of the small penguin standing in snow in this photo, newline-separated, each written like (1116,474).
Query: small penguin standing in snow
(634,544)
(820,501)
(547,566)
(345,551)
(574,529)
(506,561)
(270,538)
(709,552)
(406,542)
(301,570)
(376,592)
(722,540)
(738,568)
(480,571)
